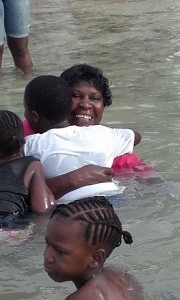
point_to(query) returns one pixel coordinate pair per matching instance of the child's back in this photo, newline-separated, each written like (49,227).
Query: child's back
(63,150)
(14,195)
(22,183)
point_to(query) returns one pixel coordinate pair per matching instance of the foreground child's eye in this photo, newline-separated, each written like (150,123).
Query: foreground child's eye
(46,242)
(59,251)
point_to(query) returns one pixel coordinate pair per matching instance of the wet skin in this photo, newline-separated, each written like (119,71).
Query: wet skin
(67,255)
(87,105)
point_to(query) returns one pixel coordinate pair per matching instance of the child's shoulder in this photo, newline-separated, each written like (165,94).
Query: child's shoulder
(122,283)
(110,284)
(87,292)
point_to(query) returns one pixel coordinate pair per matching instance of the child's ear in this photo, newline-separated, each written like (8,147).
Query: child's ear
(98,258)
(34,116)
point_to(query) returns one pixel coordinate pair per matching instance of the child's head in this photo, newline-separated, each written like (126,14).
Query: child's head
(11,134)
(47,101)
(80,236)
(92,75)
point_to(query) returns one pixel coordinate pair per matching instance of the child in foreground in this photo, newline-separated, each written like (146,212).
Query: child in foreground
(80,237)
(22,183)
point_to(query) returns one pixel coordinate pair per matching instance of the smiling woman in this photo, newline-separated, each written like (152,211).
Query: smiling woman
(90,95)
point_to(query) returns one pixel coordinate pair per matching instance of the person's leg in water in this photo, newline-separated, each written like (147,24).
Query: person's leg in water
(20,53)
(1,31)
(16,21)
(1,54)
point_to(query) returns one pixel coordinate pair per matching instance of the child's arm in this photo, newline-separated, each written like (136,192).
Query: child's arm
(87,175)
(41,197)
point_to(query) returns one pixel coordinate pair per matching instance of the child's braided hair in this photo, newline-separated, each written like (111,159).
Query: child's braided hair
(103,225)
(11,133)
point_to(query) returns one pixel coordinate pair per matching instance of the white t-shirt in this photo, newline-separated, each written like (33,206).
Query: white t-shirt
(63,150)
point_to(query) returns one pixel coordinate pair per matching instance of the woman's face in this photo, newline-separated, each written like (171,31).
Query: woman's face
(87,105)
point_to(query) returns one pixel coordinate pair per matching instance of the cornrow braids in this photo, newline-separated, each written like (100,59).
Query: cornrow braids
(11,133)
(103,225)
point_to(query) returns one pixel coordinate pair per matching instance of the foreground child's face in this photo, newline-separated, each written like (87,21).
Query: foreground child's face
(67,254)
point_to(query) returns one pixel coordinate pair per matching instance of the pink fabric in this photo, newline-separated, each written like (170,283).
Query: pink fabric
(131,165)
(27,128)
(125,161)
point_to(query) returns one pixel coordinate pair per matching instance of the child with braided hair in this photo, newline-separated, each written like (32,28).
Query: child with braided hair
(22,183)
(80,237)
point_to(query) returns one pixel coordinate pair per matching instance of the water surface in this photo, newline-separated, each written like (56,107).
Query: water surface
(137,45)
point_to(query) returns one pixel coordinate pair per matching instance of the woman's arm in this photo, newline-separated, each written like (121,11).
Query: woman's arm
(41,198)
(137,138)
(87,175)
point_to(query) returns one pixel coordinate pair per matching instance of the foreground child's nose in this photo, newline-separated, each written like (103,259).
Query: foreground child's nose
(48,257)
